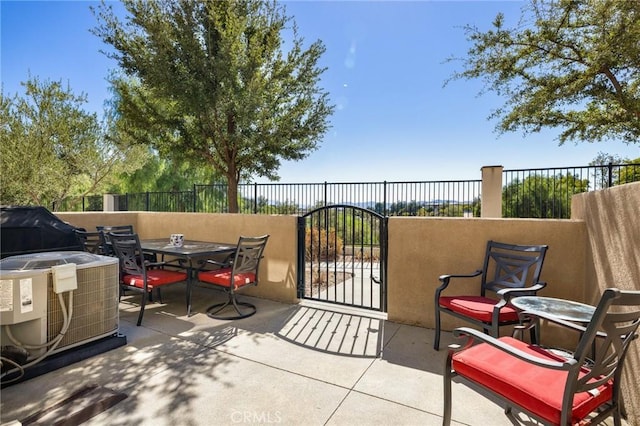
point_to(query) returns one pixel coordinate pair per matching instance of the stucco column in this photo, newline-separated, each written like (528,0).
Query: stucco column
(491,191)
(109,203)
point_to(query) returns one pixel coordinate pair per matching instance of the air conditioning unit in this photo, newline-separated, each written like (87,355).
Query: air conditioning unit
(30,307)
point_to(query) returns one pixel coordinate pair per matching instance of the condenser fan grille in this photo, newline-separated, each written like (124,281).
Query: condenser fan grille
(95,306)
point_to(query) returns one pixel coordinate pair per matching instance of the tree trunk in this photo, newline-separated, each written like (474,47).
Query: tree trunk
(232,193)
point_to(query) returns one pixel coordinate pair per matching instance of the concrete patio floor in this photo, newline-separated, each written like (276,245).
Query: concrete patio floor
(288,364)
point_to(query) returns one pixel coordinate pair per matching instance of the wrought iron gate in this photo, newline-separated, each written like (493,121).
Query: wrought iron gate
(342,257)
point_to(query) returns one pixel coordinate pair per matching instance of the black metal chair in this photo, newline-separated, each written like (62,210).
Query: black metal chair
(552,388)
(505,274)
(106,238)
(91,242)
(239,272)
(137,273)
(119,229)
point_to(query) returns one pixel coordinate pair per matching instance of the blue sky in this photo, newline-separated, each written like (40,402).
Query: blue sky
(394,120)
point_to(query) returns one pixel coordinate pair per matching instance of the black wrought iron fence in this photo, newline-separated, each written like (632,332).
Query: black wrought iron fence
(546,193)
(177,201)
(428,198)
(533,193)
(89,203)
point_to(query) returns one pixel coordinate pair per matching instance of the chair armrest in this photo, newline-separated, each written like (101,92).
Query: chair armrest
(472,336)
(508,293)
(444,279)
(208,262)
(449,276)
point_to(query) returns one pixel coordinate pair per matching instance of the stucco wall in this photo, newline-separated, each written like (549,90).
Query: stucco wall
(612,217)
(277,270)
(421,249)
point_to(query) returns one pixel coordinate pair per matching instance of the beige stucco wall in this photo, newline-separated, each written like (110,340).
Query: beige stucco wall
(421,249)
(612,217)
(277,270)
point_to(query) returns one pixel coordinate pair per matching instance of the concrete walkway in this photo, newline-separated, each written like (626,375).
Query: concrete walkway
(288,364)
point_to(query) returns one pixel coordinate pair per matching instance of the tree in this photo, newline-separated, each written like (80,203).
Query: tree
(604,174)
(629,173)
(52,149)
(614,170)
(570,64)
(47,140)
(214,85)
(542,197)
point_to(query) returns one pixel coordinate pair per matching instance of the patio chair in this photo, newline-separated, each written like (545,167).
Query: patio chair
(549,387)
(505,274)
(120,229)
(91,242)
(238,272)
(105,230)
(139,274)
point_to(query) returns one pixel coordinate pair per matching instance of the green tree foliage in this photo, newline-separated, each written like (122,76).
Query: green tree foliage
(162,175)
(46,139)
(569,64)
(51,148)
(215,86)
(614,170)
(541,197)
(53,152)
(629,173)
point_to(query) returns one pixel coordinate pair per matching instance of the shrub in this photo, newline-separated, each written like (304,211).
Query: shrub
(322,244)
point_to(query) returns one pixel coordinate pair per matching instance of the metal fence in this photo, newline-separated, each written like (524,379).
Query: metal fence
(532,193)
(436,198)
(546,193)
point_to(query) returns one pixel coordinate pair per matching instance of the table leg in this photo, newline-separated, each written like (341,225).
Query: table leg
(189,285)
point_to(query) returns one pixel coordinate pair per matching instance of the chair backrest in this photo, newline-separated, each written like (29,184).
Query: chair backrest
(127,249)
(511,265)
(91,242)
(106,238)
(248,255)
(612,328)
(121,229)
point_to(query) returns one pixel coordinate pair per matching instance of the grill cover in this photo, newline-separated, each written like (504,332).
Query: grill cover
(25,230)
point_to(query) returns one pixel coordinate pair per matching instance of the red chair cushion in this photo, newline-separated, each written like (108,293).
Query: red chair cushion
(155,278)
(535,388)
(222,277)
(478,307)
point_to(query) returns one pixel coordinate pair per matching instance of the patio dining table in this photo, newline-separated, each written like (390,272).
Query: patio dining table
(191,251)
(567,310)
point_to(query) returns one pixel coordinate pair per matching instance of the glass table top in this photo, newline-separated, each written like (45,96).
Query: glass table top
(561,308)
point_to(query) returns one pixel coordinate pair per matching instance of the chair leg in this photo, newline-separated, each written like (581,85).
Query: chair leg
(143,302)
(436,339)
(446,415)
(213,311)
(617,418)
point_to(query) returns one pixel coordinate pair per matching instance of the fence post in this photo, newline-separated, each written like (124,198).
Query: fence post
(491,191)
(255,198)
(325,193)
(109,203)
(384,199)
(610,176)
(193,198)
